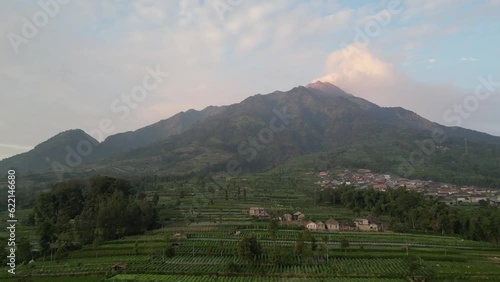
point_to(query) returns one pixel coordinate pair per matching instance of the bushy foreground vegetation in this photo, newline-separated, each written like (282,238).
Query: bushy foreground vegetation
(77,212)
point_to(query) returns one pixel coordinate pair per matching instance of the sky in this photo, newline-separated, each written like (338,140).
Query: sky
(109,66)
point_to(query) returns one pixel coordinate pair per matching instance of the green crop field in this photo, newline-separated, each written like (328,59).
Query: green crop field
(206,248)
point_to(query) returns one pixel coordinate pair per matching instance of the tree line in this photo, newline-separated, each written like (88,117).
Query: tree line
(82,212)
(412,211)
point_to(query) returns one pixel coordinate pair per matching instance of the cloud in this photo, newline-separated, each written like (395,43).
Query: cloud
(360,72)
(93,51)
(354,66)
(468,59)
(431,61)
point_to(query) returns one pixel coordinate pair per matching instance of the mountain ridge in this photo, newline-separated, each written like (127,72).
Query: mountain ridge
(326,119)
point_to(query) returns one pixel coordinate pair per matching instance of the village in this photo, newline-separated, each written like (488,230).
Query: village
(365,179)
(449,194)
(330,225)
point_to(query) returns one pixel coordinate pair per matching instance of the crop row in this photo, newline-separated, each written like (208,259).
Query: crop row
(207,278)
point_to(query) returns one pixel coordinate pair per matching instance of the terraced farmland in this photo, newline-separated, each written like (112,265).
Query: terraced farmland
(206,246)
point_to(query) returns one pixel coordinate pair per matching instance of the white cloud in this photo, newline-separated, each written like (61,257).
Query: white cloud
(361,73)
(94,51)
(468,59)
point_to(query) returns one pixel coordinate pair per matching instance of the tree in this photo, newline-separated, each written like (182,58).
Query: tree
(46,236)
(308,237)
(95,244)
(314,245)
(249,248)
(156,198)
(105,186)
(111,217)
(413,265)
(325,242)
(299,244)
(220,217)
(23,252)
(273,228)
(110,210)
(170,250)
(136,247)
(483,203)
(344,244)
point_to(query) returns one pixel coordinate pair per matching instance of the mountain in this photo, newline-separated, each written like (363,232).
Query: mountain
(342,129)
(54,149)
(265,131)
(123,142)
(57,148)
(325,88)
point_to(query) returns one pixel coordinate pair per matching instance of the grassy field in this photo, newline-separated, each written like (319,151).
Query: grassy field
(208,219)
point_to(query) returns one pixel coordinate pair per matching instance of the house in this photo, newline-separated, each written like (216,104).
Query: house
(298,216)
(179,236)
(287,217)
(256,211)
(311,225)
(463,200)
(119,266)
(495,202)
(477,199)
(367,224)
(381,187)
(332,225)
(448,201)
(347,226)
(323,174)
(320,226)
(264,215)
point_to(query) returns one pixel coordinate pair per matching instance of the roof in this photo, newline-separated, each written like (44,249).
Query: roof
(331,221)
(297,213)
(374,220)
(309,222)
(319,222)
